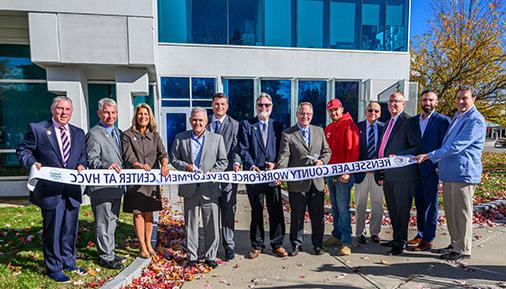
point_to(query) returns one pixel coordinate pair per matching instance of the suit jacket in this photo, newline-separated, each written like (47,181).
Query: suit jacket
(229,130)
(432,139)
(403,140)
(363,155)
(213,159)
(294,152)
(41,145)
(460,154)
(253,151)
(101,152)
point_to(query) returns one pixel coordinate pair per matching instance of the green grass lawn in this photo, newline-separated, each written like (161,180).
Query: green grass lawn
(21,258)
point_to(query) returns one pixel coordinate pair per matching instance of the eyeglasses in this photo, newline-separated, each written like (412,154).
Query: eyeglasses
(264,104)
(373,110)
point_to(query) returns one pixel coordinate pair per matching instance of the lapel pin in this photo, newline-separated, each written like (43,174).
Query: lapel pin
(135,138)
(48,132)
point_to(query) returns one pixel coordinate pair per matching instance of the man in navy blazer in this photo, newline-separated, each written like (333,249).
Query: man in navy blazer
(460,168)
(56,143)
(259,140)
(433,127)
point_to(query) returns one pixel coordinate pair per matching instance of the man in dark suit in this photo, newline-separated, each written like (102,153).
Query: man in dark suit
(259,139)
(433,127)
(103,151)
(367,183)
(304,145)
(400,137)
(56,143)
(223,124)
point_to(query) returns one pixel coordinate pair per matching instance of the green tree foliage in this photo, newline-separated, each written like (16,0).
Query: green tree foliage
(464,45)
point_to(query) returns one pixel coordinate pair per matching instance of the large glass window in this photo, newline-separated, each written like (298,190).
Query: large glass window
(315,92)
(343,24)
(396,25)
(373,24)
(208,21)
(348,93)
(310,23)
(278,23)
(241,95)
(245,22)
(176,91)
(15,63)
(176,123)
(95,93)
(280,91)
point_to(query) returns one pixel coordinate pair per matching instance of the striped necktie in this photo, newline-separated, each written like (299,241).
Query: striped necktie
(65,144)
(371,146)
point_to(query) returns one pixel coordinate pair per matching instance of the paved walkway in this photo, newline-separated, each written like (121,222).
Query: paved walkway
(367,267)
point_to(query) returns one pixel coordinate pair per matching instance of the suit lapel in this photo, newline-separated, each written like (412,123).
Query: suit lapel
(111,140)
(51,136)
(203,149)
(258,134)
(395,127)
(298,135)
(74,152)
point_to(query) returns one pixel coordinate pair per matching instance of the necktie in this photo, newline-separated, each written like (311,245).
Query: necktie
(371,146)
(198,157)
(216,126)
(114,135)
(65,145)
(264,133)
(385,138)
(305,135)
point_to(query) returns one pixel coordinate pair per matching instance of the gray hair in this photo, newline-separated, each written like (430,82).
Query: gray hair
(299,107)
(106,101)
(60,98)
(198,109)
(264,94)
(466,87)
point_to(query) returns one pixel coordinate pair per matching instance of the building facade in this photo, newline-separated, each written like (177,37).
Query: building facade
(175,54)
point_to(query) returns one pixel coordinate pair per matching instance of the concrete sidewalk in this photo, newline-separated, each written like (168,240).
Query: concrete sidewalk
(367,267)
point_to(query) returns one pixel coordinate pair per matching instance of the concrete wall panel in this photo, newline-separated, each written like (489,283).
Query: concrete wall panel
(141,48)
(44,41)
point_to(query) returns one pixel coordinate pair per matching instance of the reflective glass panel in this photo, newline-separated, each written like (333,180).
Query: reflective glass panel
(241,97)
(315,92)
(175,87)
(396,26)
(310,23)
(15,63)
(348,93)
(280,91)
(343,24)
(385,114)
(21,104)
(203,88)
(95,93)
(175,103)
(373,24)
(176,123)
(278,23)
(208,21)
(10,166)
(173,21)
(245,22)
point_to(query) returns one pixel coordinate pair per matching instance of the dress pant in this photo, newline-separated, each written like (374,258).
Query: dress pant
(312,200)
(106,213)
(427,206)
(208,208)
(458,205)
(59,234)
(228,208)
(399,198)
(362,191)
(272,195)
(340,200)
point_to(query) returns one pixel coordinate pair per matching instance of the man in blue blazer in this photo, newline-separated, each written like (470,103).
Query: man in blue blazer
(433,126)
(56,143)
(259,140)
(460,168)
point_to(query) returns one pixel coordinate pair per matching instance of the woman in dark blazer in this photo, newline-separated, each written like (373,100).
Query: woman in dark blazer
(143,149)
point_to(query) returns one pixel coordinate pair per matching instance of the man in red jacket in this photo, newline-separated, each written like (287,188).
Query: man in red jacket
(343,139)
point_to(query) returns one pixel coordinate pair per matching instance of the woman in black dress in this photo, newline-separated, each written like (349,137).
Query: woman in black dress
(143,149)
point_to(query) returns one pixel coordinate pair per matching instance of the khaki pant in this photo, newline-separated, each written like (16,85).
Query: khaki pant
(362,190)
(458,205)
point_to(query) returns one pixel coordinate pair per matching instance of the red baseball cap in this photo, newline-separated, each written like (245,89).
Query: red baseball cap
(334,103)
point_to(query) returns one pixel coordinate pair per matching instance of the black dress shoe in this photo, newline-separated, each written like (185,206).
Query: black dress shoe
(454,256)
(112,264)
(387,244)
(445,250)
(375,238)
(395,251)
(229,254)
(119,258)
(211,263)
(318,251)
(295,251)
(362,240)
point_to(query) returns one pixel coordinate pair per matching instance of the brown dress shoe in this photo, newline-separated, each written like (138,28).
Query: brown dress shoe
(280,252)
(254,253)
(415,242)
(423,246)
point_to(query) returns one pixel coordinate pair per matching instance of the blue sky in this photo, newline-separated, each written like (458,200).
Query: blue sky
(420,13)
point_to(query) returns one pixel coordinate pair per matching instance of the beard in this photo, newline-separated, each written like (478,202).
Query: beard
(427,109)
(263,114)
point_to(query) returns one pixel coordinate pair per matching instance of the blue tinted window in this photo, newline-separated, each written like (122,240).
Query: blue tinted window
(373,24)
(396,26)
(278,23)
(241,96)
(203,88)
(348,93)
(15,63)
(175,87)
(95,93)
(280,91)
(310,23)
(173,21)
(315,92)
(175,103)
(201,103)
(209,21)
(343,24)
(176,123)
(245,22)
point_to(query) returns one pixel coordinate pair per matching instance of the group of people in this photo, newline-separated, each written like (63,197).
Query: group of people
(445,149)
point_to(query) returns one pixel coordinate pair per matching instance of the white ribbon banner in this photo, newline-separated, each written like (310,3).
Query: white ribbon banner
(154,177)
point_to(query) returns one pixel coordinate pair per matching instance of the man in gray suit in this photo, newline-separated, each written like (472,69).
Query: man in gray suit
(304,145)
(223,124)
(103,151)
(200,151)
